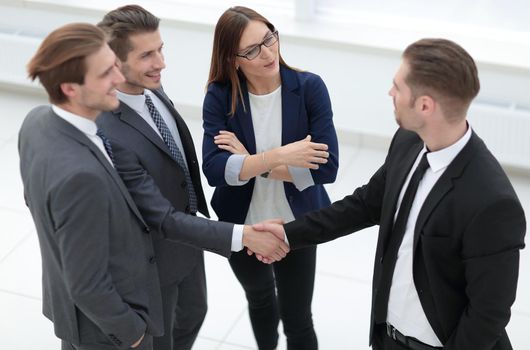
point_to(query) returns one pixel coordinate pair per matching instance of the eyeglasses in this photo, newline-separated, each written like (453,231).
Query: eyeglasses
(255,50)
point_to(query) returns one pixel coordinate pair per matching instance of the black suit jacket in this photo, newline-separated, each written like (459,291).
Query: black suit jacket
(99,277)
(158,186)
(466,241)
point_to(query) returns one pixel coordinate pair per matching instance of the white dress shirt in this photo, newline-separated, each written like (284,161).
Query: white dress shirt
(405,312)
(86,126)
(137,103)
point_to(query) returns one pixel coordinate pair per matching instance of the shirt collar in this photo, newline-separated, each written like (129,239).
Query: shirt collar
(86,125)
(136,102)
(441,159)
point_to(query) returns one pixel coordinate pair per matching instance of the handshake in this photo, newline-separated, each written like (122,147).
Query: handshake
(266,240)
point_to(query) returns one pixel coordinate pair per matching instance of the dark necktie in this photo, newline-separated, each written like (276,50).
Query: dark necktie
(398,231)
(173,149)
(106,144)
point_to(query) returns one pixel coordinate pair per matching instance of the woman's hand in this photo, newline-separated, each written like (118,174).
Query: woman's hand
(229,142)
(303,154)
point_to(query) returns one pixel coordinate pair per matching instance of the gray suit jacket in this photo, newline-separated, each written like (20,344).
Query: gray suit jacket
(99,274)
(158,186)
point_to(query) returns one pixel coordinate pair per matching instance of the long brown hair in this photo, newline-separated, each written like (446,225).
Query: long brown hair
(61,57)
(228,32)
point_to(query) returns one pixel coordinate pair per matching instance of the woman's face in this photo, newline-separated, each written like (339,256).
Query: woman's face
(266,64)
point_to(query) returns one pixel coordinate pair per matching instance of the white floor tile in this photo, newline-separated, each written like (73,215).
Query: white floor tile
(518,331)
(351,256)
(16,226)
(227,346)
(206,344)
(11,189)
(341,313)
(226,300)
(20,272)
(23,325)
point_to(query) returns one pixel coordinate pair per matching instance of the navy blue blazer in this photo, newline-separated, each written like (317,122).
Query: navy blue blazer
(306,110)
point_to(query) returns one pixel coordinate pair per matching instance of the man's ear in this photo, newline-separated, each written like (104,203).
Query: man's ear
(426,104)
(69,89)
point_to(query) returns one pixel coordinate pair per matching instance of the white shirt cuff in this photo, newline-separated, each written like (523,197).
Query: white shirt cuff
(302,178)
(237,238)
(233,169)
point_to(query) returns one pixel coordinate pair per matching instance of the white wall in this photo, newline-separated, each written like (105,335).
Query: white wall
(357,64)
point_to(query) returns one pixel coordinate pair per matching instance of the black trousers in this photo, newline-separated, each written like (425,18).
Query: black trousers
(283,290)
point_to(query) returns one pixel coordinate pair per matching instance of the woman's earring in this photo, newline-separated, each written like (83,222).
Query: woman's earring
(237,67)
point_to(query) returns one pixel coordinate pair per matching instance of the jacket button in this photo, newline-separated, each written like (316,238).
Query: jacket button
(147,229)
(381,260)
(183,184)
(151,259)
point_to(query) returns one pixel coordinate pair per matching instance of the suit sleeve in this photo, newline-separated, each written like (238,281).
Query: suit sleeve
(490,252)
(353,213)
(321,128)
(80,208)
(214,119)
(158,212)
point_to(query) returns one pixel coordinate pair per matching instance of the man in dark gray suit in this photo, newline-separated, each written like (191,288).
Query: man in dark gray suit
(155,156)
(100,281)
(99,276)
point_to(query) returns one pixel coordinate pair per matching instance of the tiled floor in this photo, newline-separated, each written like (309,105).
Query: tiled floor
(344,267)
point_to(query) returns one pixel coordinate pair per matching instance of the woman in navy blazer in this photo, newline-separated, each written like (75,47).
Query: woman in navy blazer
(269,146)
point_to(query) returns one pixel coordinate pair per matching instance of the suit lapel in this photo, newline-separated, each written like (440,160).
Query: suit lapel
(189,151)
(244,117)
(72,132)
(184,132)
(395,182)
(290,105)
(445,184)
(129,116)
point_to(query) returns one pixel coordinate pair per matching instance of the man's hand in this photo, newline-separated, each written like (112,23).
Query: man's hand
(264,244)
(275,227)
(138,342)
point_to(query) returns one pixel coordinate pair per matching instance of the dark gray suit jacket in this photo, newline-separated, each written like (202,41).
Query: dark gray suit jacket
(99,274)
(466,240)
(158,186)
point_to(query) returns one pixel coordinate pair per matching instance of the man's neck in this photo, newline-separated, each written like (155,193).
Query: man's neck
(444,135)
(79,110)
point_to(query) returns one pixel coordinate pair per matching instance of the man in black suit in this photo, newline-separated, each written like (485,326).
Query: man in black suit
(451,225)
(154,155)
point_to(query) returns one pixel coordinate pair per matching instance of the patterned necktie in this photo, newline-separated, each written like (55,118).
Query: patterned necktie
(398,231)
(106,144)
(173,149)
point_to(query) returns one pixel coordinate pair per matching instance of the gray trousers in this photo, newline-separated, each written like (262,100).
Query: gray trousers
(185,307)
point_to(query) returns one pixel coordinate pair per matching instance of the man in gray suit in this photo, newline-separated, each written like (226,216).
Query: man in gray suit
(100,281)
(155,156)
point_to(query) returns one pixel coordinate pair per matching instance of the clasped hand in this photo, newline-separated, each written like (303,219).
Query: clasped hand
(266,240)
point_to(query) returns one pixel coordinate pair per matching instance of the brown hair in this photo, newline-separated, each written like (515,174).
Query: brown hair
(228,32)
(125,21)
(61,57)
(445,71)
